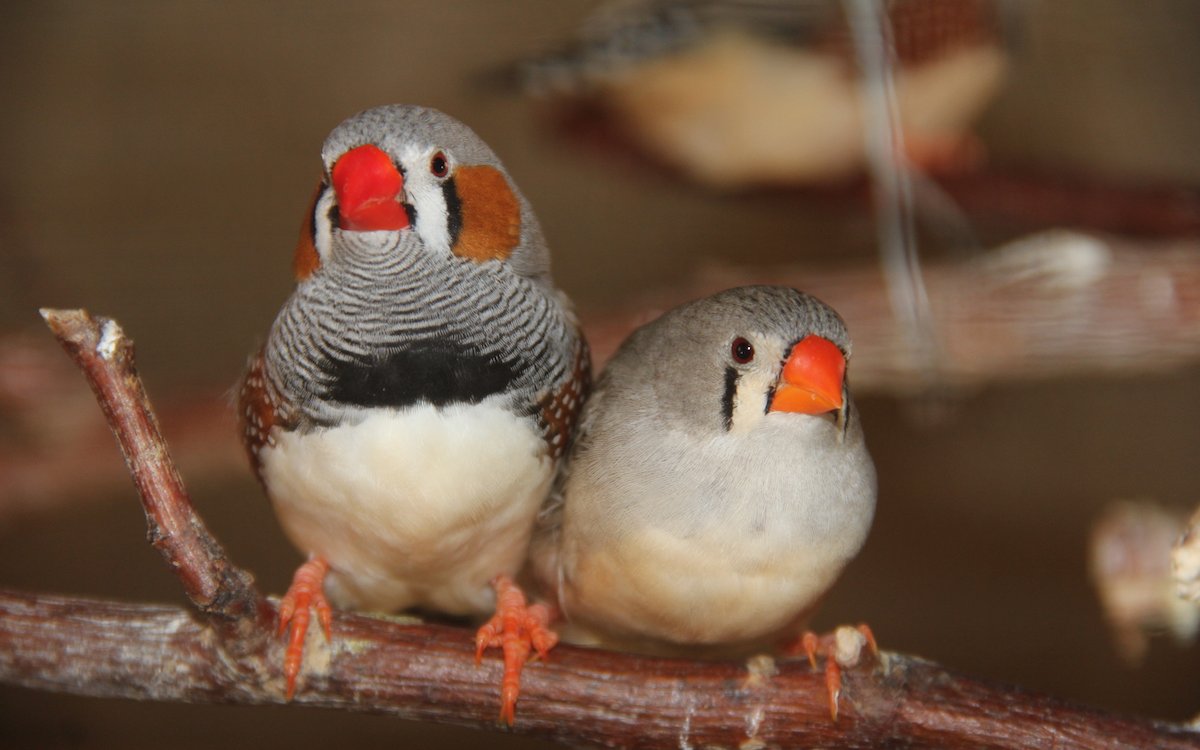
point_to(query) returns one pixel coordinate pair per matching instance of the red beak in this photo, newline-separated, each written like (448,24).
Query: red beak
(369,191)
(812,378)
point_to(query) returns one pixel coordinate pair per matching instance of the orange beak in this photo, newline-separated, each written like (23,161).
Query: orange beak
(369,190)
(812,378)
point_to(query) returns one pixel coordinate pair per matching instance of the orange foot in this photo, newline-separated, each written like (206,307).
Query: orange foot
(842,648)
(517,628)
(305,593)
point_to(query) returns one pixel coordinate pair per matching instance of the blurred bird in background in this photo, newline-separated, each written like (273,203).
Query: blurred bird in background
(739,93)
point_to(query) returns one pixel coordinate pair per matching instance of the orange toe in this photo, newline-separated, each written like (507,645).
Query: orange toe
(833,685)
(867,633)
(295,609)
(518,629)
(812,645)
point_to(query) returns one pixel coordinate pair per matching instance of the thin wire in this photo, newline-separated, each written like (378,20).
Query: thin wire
(892,181)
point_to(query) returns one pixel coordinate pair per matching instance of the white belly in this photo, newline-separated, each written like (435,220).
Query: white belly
(421,507)
(664,588)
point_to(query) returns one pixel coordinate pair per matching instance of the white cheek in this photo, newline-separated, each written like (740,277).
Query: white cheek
(750,400)
(323,225)
(424,192)
(433,220)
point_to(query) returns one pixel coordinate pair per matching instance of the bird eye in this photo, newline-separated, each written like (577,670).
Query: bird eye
(742,351)
(438,165)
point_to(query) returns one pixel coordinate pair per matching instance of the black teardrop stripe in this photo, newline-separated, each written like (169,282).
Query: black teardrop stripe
(433,374)
(731,382)
(312,216)
(453,211)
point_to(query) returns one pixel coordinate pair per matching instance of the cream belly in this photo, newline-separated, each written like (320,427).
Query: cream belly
(421,507)
(661,587)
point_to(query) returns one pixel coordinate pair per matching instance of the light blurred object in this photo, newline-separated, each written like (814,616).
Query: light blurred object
(737,93)
(1130,566)
(1185,560)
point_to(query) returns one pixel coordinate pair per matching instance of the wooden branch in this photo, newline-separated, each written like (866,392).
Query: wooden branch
(579,696)
(223,593)
(224,652)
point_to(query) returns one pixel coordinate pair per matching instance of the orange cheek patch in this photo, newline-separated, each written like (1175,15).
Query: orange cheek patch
(491,215)
(306,260)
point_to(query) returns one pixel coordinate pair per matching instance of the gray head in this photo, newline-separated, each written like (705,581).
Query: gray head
(725,362)
(403,168)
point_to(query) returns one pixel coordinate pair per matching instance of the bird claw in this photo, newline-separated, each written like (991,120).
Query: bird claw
(518,629)
(295,609)
(841,648)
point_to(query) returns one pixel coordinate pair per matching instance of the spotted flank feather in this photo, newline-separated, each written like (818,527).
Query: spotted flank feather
(258,411)
(560,409)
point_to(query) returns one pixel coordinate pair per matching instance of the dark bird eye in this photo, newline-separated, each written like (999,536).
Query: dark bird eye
(742,350)
(438,165)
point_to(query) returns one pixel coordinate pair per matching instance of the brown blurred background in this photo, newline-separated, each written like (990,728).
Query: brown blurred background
(157,157)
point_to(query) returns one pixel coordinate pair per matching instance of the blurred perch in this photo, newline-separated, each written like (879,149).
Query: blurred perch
(1041,200)
(224,649)
(1051,305)
(55,449)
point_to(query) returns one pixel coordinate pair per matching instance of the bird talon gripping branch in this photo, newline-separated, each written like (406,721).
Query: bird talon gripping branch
(842,649)
(518,629)
(305,595)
